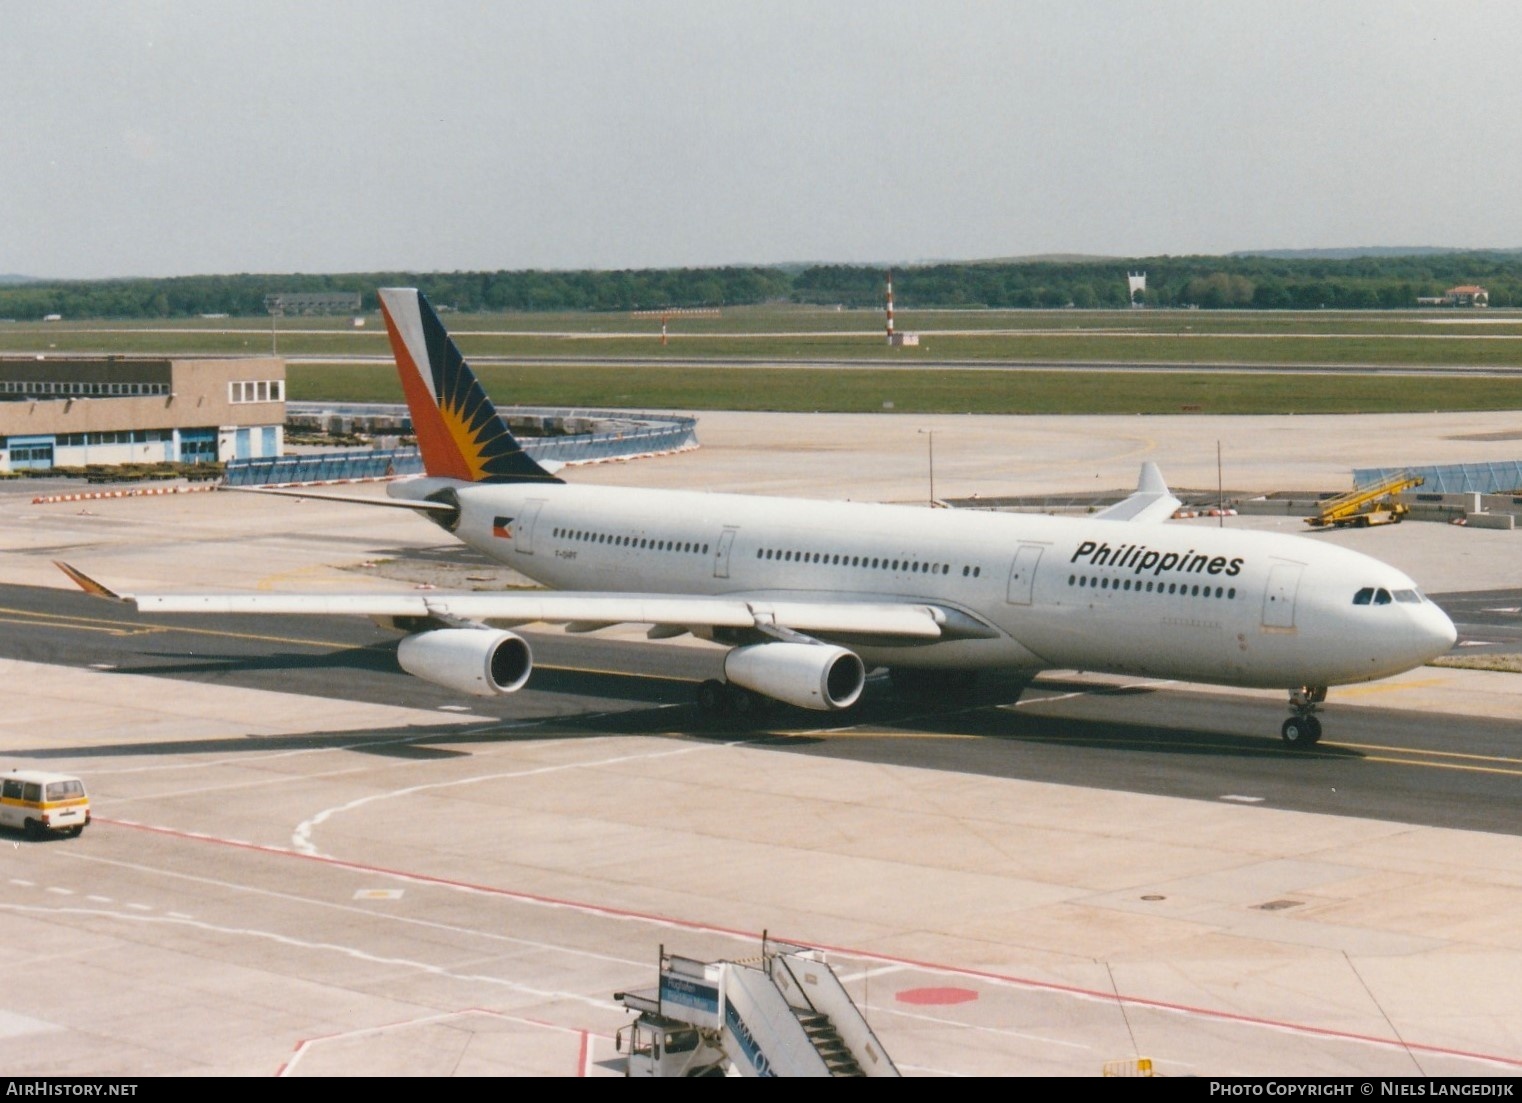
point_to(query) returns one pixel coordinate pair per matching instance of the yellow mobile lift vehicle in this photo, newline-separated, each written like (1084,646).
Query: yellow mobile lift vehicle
(1362,506)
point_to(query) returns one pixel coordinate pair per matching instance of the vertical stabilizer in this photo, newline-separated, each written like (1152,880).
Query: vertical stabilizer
(459,431)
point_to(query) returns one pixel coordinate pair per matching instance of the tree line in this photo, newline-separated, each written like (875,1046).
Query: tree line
(1259,282)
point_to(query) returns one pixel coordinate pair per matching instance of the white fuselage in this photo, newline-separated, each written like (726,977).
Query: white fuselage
(1200,604)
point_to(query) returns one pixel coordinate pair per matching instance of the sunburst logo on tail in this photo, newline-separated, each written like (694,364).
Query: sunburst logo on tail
(459,431)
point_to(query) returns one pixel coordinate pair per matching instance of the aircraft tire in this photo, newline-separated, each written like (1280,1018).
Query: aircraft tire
(713,697)
(1300,732)
(743,704)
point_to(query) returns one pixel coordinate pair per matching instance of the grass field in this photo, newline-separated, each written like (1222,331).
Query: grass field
(865,390)
(672,376)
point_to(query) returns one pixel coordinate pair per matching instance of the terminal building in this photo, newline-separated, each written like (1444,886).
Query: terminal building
(73,411)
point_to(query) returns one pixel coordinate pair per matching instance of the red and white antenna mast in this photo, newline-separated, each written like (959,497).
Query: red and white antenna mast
(890,306)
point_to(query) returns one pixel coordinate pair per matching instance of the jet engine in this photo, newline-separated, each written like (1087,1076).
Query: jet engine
(809,675)
(481,662)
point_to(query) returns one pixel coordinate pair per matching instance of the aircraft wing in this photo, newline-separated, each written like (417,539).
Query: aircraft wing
(583,610)
(1152,501)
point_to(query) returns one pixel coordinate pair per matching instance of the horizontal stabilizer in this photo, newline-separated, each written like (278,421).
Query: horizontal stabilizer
(416,506)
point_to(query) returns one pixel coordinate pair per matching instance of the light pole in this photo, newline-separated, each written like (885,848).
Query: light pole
(930,444)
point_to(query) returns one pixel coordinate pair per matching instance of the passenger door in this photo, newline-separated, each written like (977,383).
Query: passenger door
(1279,597)
(1022,575)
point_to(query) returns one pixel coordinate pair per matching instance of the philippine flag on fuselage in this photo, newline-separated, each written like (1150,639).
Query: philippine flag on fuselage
(502,527)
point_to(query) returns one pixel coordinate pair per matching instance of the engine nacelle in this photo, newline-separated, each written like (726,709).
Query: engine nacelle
(809,675)
(483,663)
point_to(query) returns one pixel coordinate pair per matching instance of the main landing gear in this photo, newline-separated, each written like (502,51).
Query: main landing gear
(718,698)
(1303,729)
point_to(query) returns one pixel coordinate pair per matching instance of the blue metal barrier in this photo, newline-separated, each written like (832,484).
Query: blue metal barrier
(621,435)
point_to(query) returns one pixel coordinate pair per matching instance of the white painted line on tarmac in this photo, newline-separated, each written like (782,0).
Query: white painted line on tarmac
(584,1060)
(352,952)
(1002,1032)
(301,838)
(1243,800)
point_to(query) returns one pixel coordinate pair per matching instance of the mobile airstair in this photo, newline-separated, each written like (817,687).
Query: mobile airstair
(783,1014)
(1372,504)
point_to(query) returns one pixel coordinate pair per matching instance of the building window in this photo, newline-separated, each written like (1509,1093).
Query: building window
(256,390)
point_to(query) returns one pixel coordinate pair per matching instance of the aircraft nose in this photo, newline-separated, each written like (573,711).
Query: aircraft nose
(1438,631)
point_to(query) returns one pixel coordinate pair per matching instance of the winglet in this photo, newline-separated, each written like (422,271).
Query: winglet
(86,583)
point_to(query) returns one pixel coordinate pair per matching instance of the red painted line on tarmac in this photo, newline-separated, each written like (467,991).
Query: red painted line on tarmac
(929,966)
(429,879)
(584,1057)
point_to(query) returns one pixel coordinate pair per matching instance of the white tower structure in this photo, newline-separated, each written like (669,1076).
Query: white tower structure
(1136,281)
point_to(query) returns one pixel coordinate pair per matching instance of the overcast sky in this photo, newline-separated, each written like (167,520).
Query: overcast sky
(179,138)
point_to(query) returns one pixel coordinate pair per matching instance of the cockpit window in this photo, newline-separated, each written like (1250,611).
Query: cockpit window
(1408,597)
(1371,596)
(1381,597)
(1364,596)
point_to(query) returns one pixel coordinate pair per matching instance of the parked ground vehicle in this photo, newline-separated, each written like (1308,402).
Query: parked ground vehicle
(38,803)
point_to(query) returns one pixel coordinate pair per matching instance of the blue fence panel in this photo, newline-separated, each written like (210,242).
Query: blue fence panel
(630,435)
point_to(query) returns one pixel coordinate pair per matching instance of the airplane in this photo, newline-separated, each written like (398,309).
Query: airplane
(809,595)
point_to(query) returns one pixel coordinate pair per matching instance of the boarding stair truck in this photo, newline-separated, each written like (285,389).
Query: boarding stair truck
(784,1014)
(1372,504)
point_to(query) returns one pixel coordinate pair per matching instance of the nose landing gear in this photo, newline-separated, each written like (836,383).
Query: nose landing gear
(1303,729)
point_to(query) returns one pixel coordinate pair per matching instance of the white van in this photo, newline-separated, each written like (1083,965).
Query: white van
(37,803)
